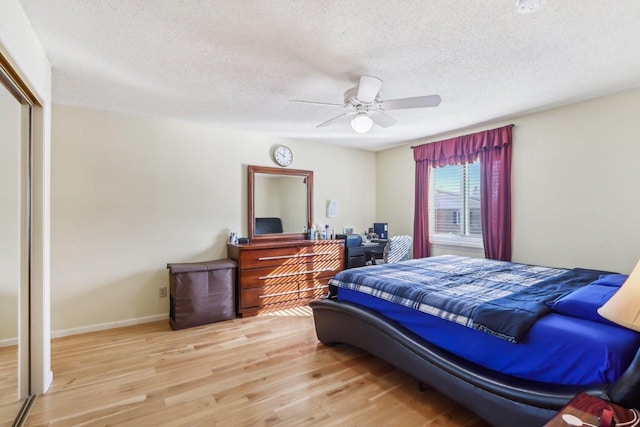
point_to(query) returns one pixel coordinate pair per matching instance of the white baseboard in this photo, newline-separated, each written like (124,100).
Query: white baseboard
(8,342)
(48,382)
(109,325)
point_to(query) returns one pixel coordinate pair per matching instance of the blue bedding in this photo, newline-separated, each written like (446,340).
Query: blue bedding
(510,317)
(558,349)
(497,297)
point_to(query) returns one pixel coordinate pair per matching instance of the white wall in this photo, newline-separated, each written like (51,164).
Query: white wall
(131,194)
(575,185)
(395,189)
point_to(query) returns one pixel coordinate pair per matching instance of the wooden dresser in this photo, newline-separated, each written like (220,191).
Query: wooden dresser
(282,274)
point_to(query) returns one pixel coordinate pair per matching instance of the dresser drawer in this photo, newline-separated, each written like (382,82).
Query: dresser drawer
(328,251)
(258,258)
(274,257)
(289,273)
(314,288)
(258,297)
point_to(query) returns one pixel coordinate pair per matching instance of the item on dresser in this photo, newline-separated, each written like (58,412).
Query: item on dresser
(347,230)
(201,292)
(283,274)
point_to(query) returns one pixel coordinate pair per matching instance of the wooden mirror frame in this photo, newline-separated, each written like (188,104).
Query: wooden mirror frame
(252,171)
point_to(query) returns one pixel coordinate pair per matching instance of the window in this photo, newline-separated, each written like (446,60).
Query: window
(454,207)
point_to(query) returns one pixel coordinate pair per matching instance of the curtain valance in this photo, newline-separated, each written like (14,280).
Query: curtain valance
(462,149)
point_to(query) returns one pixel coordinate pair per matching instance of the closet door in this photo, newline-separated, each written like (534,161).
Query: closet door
(14,253)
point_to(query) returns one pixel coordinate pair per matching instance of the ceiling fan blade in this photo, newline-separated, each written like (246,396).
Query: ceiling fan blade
(368,88)
(381,119)
(328,122)
(415,102)
(324,104)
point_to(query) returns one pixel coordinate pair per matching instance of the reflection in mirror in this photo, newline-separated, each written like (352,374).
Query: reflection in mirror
(282,199)
(10,262)
(280,202)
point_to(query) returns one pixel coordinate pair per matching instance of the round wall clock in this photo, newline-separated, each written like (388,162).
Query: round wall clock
(282,155)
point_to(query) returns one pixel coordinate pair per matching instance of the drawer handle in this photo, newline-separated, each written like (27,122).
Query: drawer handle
(314,288)
(297,273)
(278,294)
(267,258)
(292,292)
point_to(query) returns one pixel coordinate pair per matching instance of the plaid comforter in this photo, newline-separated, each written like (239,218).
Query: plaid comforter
(477,293)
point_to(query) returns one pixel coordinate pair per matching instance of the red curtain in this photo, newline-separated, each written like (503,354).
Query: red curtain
(421,209)
(493,147)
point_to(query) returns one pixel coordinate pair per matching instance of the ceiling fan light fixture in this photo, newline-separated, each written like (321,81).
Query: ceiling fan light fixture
(361,123)
(364,106)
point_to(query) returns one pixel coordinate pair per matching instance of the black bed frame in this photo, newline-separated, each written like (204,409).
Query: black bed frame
(499,399)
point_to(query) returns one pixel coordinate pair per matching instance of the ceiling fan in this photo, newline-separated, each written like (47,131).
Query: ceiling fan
(365,104)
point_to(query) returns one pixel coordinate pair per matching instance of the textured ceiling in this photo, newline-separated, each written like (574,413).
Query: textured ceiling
(237,64)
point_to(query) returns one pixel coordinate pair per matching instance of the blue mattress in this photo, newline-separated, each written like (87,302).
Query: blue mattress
(558,349)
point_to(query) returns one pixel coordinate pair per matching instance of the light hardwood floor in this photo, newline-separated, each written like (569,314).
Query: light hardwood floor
(9,403)
(264,370)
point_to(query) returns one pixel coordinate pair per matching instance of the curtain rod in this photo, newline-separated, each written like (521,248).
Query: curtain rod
(414,146)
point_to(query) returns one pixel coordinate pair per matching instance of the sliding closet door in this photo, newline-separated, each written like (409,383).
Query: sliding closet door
(14,254)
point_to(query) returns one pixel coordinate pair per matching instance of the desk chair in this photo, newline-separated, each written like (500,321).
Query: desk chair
(398,248)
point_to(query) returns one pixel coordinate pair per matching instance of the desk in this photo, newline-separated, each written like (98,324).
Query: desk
(355,255)
(588,409)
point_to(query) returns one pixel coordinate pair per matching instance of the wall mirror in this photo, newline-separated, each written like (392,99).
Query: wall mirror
(280,203)
(14,246)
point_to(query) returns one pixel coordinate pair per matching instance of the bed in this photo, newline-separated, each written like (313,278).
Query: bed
(514,350)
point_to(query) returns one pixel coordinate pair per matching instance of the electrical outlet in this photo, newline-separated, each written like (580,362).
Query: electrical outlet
(163,292)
